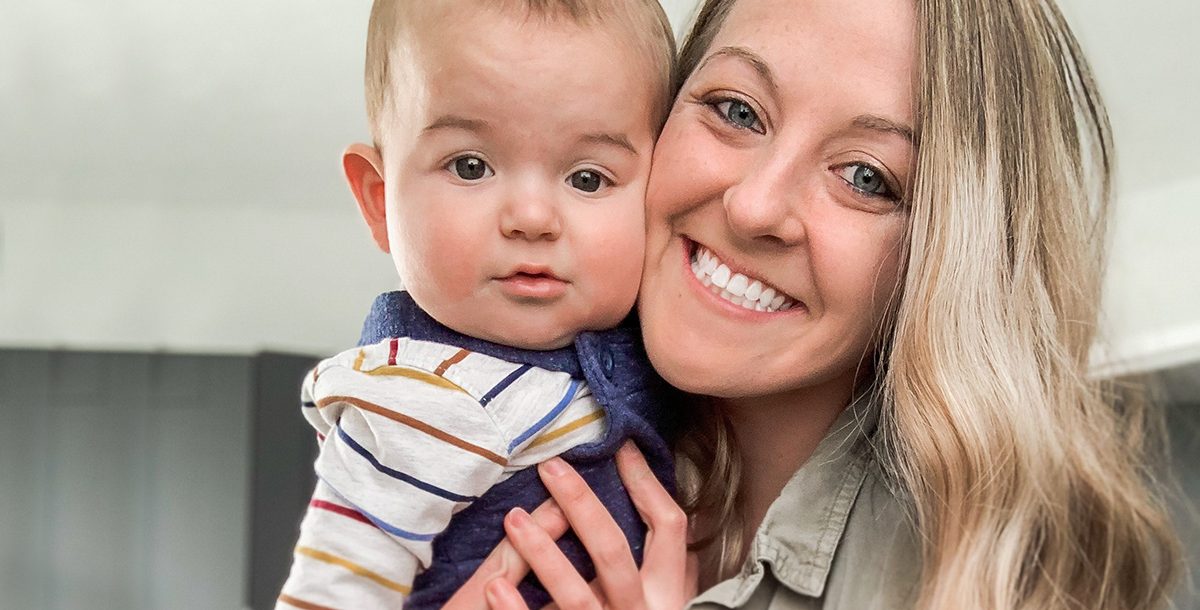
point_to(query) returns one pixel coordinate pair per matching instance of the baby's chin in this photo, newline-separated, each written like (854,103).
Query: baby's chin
(540,343)
(526,332)
(524,324)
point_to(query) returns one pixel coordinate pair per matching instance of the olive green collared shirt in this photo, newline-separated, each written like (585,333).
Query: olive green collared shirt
(835,539)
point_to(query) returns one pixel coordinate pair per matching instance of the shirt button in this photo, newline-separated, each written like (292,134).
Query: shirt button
(607,362)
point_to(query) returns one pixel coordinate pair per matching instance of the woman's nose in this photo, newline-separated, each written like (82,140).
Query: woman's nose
(532,215)
(765,205)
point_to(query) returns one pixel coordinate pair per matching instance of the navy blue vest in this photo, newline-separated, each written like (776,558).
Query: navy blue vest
(635,400)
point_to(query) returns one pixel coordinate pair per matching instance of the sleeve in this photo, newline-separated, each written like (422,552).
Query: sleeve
(399,457)
(561,416)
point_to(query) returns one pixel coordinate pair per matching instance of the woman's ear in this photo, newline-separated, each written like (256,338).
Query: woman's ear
(363,166)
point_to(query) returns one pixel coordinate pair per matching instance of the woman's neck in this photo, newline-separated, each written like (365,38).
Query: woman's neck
(776,435)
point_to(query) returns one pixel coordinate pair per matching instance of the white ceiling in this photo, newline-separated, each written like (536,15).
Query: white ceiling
(173,166)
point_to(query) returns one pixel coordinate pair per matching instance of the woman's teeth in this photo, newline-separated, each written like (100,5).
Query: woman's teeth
(734,287)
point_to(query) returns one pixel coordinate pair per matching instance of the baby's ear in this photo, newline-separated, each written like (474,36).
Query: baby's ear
(363,166)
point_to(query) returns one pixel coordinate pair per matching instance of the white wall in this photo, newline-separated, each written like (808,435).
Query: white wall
(1143,55)
(1152,290)
(169,175)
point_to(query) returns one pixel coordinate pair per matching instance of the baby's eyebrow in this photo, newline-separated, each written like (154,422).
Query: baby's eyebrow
(618,140)
(452,121)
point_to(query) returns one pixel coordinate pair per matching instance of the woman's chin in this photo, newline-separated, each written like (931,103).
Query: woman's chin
(694,372)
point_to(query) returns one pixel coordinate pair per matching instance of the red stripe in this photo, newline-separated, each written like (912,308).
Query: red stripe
(392,352)
(341,510)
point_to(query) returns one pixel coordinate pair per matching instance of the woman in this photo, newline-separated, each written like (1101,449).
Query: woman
(924,184)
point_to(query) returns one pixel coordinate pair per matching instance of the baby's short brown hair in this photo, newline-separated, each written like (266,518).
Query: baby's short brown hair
(645,20)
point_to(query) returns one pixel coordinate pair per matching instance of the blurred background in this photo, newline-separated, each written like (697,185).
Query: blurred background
(177,246)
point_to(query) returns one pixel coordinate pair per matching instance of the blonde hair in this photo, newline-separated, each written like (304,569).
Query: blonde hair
(1028,480)
(645,20)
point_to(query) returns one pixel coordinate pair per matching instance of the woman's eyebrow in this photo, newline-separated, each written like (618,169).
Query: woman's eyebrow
(754,59)
(877,123)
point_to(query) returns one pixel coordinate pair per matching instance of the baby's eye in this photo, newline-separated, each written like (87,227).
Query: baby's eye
(587,181)
(867,180)
(739,114)
(470,168)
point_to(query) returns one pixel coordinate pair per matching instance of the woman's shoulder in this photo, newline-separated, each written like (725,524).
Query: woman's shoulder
(878,560)
(875,560)
(872,560)
(839,537)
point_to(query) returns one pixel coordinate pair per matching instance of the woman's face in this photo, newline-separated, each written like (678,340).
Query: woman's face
(774,209)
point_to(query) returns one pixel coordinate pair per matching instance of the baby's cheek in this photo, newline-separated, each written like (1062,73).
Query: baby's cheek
(443,264)
(455,274)
(619,273)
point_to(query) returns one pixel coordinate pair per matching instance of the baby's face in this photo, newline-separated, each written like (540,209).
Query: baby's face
(515,176)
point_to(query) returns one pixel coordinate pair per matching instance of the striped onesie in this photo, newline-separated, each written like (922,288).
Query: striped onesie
(412,432)
(394,468)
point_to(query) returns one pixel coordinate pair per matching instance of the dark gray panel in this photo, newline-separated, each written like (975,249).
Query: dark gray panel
(284,447)
(1183,421)
(24,397)
(198,469)
(125,479)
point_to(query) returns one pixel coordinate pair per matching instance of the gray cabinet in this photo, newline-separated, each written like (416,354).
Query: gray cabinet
(149,481)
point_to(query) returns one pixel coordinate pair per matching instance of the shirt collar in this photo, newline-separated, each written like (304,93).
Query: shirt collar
(802,528)
(396,314)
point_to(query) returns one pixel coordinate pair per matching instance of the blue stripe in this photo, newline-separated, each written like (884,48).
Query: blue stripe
(549,417)
(396,474)
(308,404)
(504,383)
(380,523)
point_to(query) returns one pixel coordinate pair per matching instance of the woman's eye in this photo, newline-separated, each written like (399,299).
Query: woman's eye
(471,168)
(740,115)
(587,181)
(867,179)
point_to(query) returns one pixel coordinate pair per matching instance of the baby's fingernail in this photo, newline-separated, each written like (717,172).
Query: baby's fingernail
(554,467)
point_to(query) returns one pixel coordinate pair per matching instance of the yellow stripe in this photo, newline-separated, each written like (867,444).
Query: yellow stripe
(559,432)
(353,567)
(359,360)
(400,371)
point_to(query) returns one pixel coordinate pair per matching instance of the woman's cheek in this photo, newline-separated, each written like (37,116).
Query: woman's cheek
(879,281)
(690,166)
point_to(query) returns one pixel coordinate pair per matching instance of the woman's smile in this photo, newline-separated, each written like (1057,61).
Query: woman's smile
(733,285)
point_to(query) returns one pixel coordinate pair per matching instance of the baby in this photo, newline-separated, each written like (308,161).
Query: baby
(512,143)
